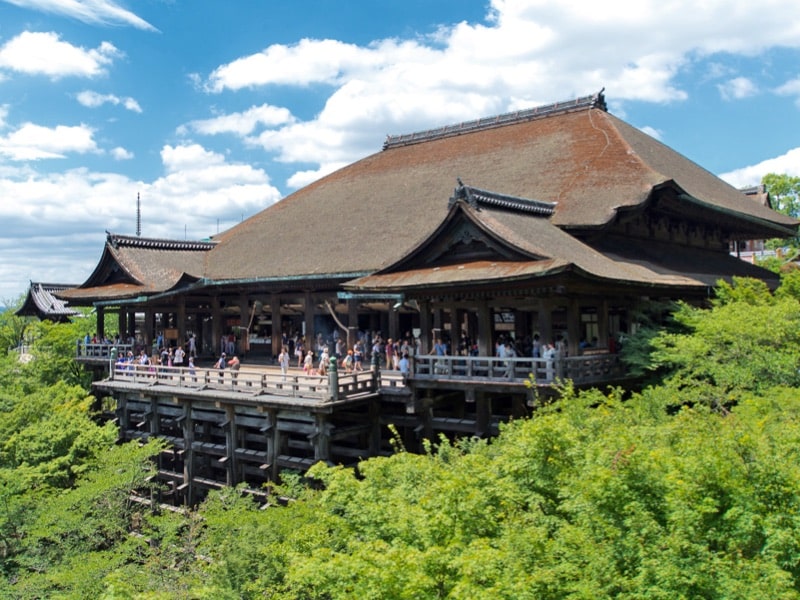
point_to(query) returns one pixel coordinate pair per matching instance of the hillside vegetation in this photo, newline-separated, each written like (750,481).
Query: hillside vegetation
(689,488)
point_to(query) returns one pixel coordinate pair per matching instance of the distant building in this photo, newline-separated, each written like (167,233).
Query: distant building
(41,302)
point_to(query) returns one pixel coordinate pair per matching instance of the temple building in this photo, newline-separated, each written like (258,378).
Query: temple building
(560,223)
(556,221)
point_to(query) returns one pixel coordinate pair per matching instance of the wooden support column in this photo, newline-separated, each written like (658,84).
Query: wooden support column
(272,437)
(216,325)
(603,333)
(122,324)
(180,320)
(573,327)
(425,328)
(322,437)
(244,321)
(149,333)
(393,317)
(155,420)
(131,328)
(352,322)
(187,427)
(375,427)
(231,443)
(275,315)
(308,318)
(546,322)
(485,329)
(101,325)
(483,414)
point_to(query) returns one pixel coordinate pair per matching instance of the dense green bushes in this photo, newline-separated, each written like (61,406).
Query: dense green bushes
(688,489)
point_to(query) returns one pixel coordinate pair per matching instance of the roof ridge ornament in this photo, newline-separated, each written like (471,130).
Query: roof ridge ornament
(597,100)
(477,198)
(118,240)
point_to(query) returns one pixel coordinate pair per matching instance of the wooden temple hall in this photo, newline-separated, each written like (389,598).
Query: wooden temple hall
(560,223)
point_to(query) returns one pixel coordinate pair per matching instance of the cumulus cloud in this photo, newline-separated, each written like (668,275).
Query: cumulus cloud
(737,88)
(92,99)
(120,153)
(43,53)
(93,12)
(528,53)
(198,195)
(240,123)
(788,163)
(34,142)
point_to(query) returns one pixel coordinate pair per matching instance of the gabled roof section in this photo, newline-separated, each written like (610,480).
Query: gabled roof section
(134,266)
(464,236)
(583,160)
(42,302)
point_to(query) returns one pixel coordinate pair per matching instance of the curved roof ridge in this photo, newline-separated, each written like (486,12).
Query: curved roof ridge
(510,118)
(475,197)
(130,241)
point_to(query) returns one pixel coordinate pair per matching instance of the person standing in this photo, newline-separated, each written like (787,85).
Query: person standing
(234,365)
(178,357)
(220,364)
(283,361)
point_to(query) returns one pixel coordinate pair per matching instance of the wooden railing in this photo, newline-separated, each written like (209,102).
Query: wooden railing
(332,387)
(99,351)
(580,369)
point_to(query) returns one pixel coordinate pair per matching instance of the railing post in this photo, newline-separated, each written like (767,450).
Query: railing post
(333,379)
(376,370)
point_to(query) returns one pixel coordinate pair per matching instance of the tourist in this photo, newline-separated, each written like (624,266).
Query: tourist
(234,365)
(220,364)
(283,361)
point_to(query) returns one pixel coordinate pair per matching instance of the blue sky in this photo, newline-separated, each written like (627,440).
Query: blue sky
(212,110)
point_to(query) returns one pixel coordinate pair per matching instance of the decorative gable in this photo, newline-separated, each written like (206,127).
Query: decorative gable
(464,238)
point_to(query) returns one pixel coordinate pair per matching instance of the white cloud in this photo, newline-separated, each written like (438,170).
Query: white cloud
(788,163)
(790,88)
(199,195)
(34,142)
(92,99)
(120,153)
(652,132)
(531,52)
(737,88)
(94,12)
(241,123)
(36,53)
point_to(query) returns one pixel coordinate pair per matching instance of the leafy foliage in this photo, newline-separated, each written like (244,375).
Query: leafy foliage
(687,489)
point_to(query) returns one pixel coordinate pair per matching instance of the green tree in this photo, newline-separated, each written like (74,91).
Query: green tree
(784,191)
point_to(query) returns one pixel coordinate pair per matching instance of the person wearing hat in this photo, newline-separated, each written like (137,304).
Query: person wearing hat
(220,364)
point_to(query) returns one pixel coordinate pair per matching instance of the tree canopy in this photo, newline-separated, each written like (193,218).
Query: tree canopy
(688,488)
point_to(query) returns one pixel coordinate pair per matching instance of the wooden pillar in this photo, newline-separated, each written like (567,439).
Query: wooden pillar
(272,436)
(187,427)
(425,328)
(375,427)
(546,322)
(322,437)
(180,320)
(277,325)
(231,442)
(149,333)
(393,317)
(216,325)
(131,329)
(308,318)
(485,329)
(603,333)
(352,322)
(573,327)
(101,325)
(244,322)
(122,323)
(483,414)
